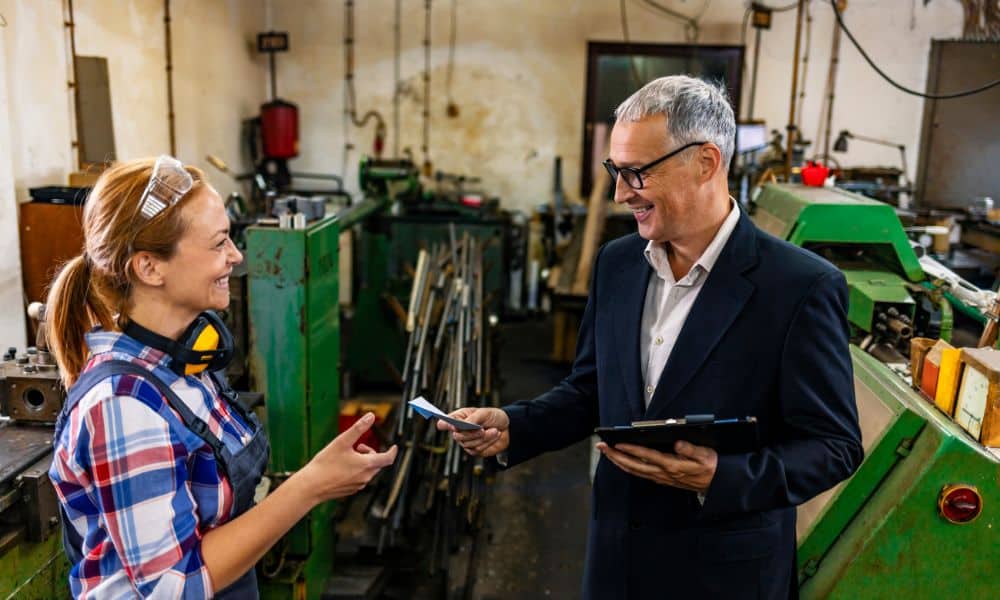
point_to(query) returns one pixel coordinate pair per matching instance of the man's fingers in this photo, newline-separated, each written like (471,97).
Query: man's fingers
(647,455)
(626,460)
(690,451)
(489,437)
(364,449)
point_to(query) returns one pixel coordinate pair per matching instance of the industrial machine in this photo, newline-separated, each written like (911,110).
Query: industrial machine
(384,247)
(894,293)
(918,516)
(32,562)
(294,358)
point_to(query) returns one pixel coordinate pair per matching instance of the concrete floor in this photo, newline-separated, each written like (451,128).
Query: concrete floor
(534,542)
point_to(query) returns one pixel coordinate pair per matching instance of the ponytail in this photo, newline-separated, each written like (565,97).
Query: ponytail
(95,287)
(73,307)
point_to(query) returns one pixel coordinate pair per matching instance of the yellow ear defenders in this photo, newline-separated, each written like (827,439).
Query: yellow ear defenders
(205,344)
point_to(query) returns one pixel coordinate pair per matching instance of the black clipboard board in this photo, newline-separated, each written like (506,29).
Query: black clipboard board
(726,436)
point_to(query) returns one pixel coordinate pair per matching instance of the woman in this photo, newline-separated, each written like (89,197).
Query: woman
(154,466)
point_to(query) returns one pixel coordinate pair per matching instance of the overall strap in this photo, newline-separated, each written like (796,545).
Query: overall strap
(123,367)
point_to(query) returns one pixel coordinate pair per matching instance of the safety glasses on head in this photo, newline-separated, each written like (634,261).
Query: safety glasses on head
(169,183)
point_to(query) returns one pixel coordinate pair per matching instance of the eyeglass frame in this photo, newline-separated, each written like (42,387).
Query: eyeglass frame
(615,171)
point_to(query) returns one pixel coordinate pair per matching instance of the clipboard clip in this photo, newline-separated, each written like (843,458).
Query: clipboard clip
(687,420)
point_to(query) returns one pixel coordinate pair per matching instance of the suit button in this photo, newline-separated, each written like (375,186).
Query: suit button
(635,524)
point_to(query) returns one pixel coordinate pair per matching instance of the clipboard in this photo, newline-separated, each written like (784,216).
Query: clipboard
(725,436)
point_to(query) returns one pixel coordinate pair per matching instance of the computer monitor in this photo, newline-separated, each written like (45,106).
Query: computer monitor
(750,137)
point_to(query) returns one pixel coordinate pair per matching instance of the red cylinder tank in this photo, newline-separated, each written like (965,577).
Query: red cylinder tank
(279,129)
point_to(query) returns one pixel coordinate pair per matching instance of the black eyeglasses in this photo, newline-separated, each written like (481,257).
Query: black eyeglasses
(633,175)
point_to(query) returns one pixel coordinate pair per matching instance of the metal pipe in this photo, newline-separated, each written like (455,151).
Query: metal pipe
(396,70)
(805,70)
(831,83)
(795,84)
(425,145)
(71,25)
(170,78)
(753,77)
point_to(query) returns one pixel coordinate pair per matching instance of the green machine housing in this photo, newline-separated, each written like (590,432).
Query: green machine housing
(863,237)
(880,534)
(295,359)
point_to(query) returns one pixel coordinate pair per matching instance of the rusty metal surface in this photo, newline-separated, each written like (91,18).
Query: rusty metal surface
(20,447)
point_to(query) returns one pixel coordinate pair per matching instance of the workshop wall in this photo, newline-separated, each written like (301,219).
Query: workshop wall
(520,71)
(218,79)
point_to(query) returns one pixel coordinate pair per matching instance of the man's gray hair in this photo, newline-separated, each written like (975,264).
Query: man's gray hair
(695,109)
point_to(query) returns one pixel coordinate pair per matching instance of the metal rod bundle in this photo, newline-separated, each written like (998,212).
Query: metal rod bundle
(436,489)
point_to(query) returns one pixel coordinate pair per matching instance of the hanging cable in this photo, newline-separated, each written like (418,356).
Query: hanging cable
(850,36)
(637,82)
(692,29)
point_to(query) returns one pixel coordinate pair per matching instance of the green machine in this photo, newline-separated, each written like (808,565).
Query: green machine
(295,356)
(890,530)
(893,296)
(885,532)
(384,244)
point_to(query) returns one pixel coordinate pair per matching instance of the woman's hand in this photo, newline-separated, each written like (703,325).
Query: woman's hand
(338,470)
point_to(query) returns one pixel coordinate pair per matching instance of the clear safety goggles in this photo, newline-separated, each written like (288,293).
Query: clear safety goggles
(169,183)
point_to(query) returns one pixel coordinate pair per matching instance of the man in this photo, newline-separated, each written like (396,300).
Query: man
(700,312)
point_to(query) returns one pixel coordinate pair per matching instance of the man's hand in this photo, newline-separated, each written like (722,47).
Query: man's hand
(491,440)
(691,468)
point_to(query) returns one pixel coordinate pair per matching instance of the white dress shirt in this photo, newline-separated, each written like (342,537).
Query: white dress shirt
(668,302)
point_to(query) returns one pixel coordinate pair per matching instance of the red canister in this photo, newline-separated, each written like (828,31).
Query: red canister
(279,129)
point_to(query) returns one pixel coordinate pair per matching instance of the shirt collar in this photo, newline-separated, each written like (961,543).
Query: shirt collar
(100,341)
(656,254)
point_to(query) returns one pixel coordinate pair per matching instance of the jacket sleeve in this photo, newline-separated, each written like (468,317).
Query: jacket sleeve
(567,413)
(818,440)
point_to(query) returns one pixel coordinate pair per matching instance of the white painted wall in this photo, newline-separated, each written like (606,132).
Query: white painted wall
(218,80)
(519,82)
(521,69)
(11,321)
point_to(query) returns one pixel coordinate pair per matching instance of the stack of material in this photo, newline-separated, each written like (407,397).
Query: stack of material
(449,361)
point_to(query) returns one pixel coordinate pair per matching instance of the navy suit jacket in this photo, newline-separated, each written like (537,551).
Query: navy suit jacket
(768,337)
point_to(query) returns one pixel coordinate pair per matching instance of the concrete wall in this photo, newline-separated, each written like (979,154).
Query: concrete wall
(520,72)
(519,78)
(218,79)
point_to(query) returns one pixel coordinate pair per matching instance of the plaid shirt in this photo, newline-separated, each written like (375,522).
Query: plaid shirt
(138,486)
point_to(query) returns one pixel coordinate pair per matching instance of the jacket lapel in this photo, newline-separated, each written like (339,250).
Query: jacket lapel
(718,304)
(628,303)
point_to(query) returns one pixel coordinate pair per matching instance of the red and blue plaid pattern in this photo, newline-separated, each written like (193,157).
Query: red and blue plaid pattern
(138,486)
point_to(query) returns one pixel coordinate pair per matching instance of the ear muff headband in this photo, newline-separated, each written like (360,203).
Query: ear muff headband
(205,344)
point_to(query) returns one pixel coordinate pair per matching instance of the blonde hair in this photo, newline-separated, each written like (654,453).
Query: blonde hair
(95,287)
